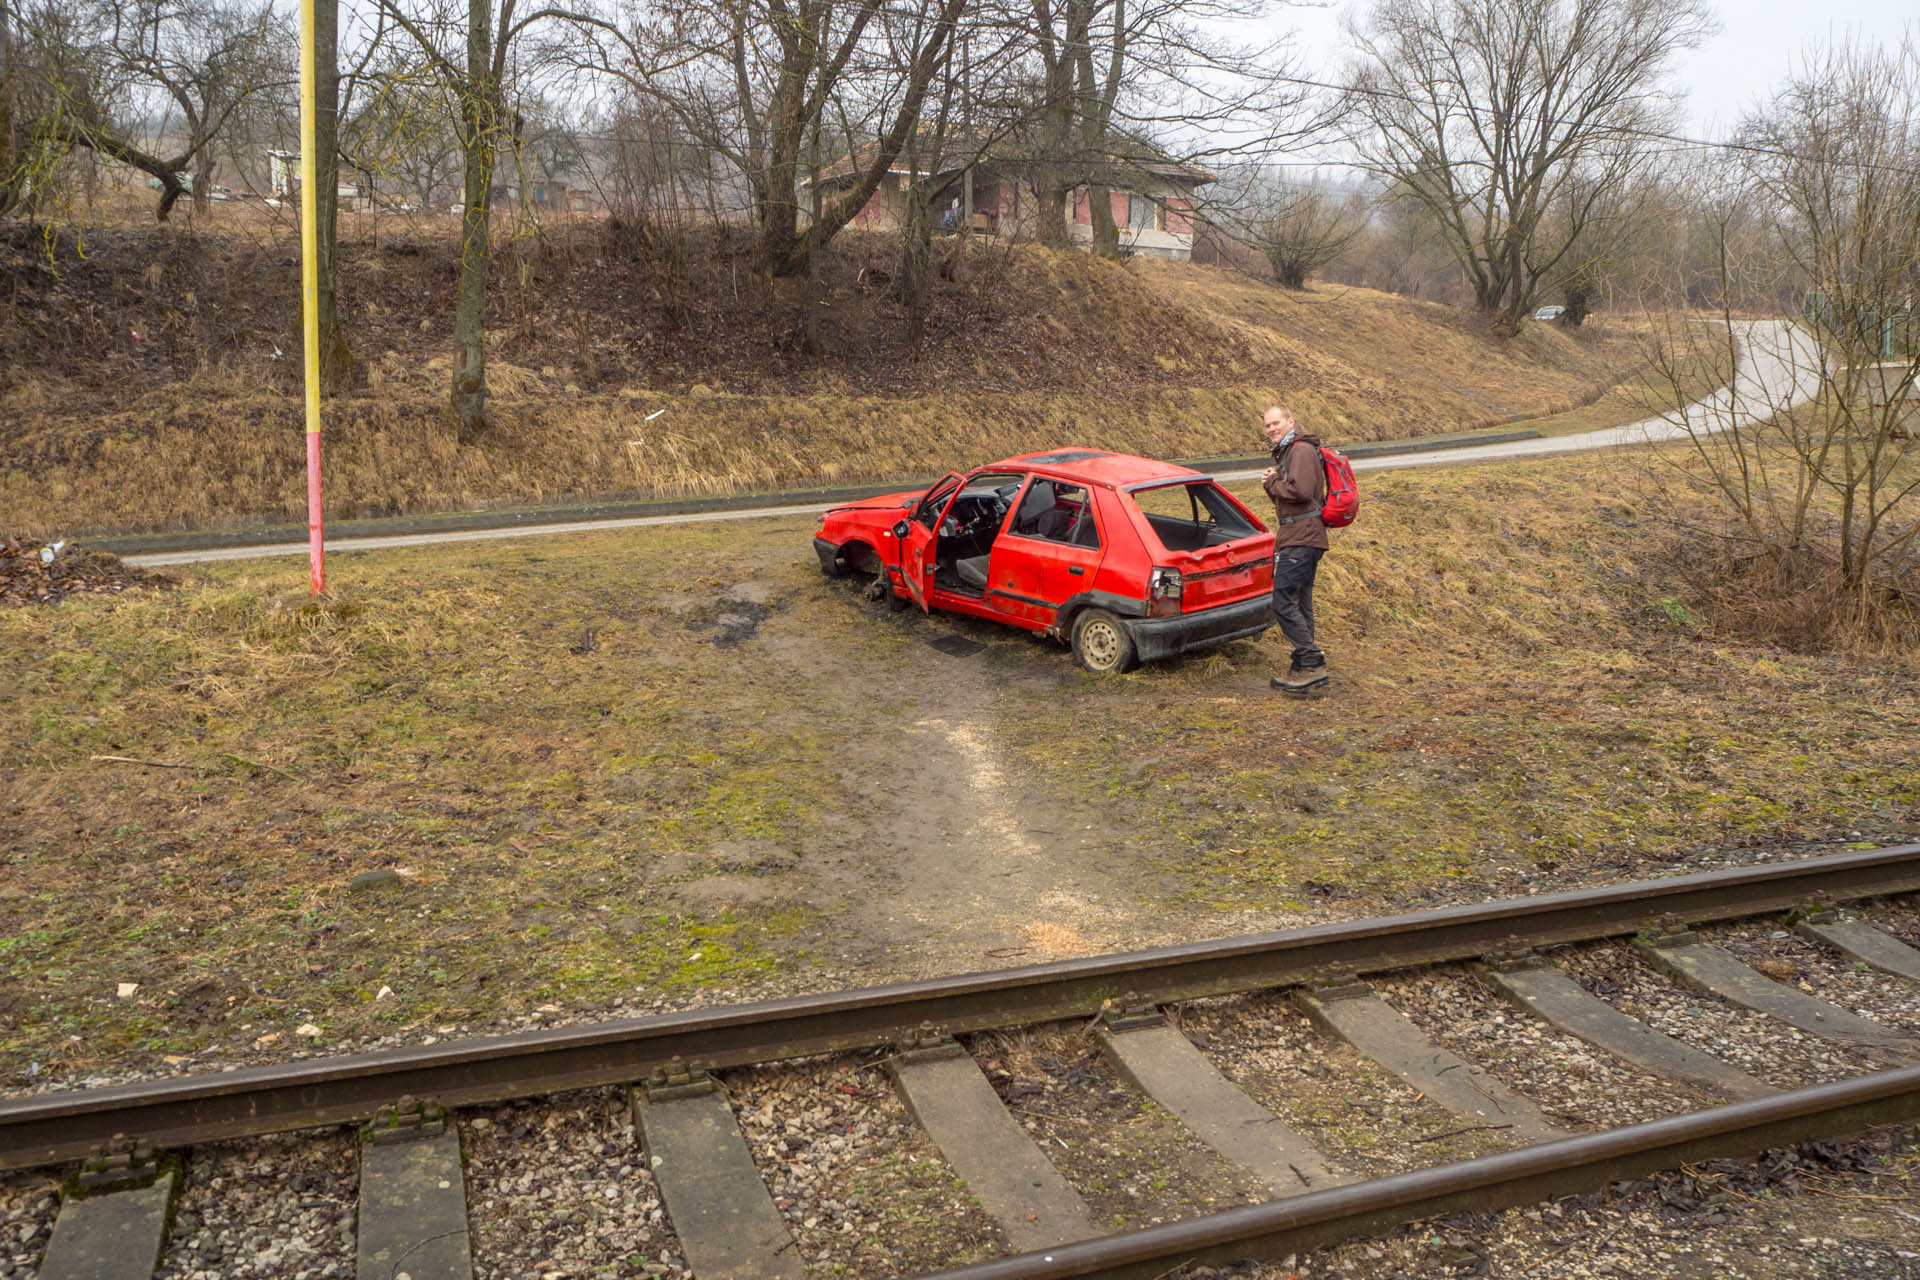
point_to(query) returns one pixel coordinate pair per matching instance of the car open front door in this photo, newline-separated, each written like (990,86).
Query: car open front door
(919,537)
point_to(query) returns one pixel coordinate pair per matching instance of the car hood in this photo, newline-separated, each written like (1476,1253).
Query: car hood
(885,502)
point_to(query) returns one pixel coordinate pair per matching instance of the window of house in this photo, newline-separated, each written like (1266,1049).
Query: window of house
(1142,214)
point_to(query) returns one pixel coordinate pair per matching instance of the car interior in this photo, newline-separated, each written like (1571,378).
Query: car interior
(967,534)
(1190,516)
(1057,512)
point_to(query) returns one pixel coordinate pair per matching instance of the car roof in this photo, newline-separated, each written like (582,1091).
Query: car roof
(1097,466)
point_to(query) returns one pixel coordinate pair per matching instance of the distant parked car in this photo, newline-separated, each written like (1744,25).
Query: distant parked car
(1125,559)
(1546,314)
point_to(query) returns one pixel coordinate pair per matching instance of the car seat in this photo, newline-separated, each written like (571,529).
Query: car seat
(1054,524)
(973,571)
(1038,504)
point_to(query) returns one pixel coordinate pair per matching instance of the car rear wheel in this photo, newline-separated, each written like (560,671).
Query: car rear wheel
(1101,644)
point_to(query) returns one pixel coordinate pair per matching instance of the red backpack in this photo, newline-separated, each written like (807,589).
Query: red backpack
(1343,494)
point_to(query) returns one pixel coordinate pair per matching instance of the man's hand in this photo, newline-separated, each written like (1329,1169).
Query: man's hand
(1269,474)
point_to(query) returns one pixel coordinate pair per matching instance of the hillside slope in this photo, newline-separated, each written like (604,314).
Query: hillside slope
(149,379)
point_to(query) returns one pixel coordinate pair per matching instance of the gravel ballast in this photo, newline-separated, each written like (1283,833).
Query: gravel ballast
(1572,1082)
(1769,1051)
(277,1208)
(1361,1119)
(860,1186)
(28,1204)
(562,1189)
(1136,1165)
(1822,972)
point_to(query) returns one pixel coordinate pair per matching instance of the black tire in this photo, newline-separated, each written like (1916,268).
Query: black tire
(1101,644)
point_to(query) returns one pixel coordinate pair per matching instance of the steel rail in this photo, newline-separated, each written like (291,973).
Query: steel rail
(53,1127)
(1524,1176)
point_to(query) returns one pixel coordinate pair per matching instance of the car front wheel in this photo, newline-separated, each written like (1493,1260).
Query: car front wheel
(1101,644)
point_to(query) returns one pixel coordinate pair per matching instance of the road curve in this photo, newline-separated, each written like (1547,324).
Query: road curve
(1779,366)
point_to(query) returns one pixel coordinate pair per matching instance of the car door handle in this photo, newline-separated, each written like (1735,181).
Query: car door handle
(1076,571)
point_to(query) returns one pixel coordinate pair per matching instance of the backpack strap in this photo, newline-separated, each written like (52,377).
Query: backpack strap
(1326,482)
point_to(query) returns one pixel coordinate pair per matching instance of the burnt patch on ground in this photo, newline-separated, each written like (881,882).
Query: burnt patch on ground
(731,620)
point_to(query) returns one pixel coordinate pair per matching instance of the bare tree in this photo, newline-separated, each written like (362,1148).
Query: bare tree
(1823,497)
(104,75)
(13,137)
(1115,82)
(1301,228)
(650,169)
(17,108)
(403,127)
(476,79)
(1509,121)
(206,60)
(765,83)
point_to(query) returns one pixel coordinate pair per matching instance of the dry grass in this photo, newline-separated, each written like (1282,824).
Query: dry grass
(1525,699)
(1769,585)
(1527,692)
(195,425)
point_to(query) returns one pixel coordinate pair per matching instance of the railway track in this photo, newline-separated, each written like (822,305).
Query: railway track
(1727,1035)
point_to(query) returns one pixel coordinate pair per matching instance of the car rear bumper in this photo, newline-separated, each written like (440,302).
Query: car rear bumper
(1165,637)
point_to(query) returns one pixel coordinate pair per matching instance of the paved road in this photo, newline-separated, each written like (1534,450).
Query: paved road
(1779,366)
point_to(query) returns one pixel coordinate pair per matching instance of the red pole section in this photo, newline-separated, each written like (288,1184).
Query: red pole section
(316,522)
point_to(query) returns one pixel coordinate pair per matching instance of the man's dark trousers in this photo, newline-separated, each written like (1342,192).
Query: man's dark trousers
(1293,573)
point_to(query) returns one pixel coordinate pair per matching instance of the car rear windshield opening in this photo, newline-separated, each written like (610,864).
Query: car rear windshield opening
(1190,516)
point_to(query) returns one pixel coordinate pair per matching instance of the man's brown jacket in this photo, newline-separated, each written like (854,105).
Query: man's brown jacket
(1298,487)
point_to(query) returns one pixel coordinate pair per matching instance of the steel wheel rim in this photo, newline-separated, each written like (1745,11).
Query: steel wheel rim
(1100,641)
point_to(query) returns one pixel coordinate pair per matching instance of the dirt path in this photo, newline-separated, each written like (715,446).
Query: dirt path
(952,861)
(989,871)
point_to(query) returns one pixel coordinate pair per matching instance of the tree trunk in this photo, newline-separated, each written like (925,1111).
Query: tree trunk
(1289,273)
(336,361)
(1106,233)
(1051,183)
(480,121)
(203,181)
(1053,213)
(914,277)
(779,210)
(11,181)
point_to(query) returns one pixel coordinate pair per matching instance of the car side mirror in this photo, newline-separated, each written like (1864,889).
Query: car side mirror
(900,529)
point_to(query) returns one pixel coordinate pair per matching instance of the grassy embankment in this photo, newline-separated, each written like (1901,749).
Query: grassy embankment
(619,766)
(152,383)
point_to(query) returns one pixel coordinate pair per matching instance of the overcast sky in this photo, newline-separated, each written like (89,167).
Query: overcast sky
(1760,43)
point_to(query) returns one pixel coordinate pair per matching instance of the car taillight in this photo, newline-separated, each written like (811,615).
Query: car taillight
(1164,586)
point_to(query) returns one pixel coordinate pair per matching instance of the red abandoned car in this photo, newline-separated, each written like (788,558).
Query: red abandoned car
(1125,558)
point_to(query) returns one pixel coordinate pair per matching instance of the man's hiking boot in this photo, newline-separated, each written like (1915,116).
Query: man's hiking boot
(1302,682)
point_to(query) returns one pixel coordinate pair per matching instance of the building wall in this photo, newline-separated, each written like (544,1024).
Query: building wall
(1171,236)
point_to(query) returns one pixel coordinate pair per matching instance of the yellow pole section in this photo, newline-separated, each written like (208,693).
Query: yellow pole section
(310,299)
